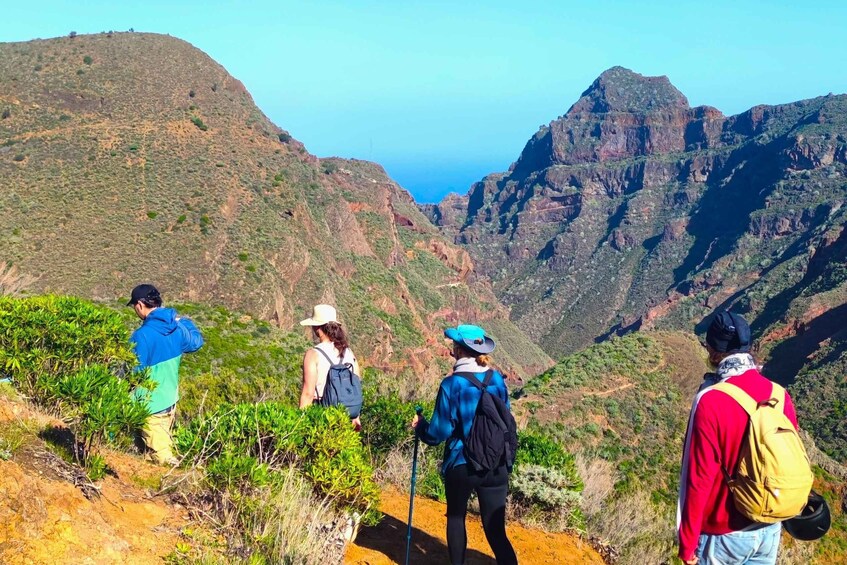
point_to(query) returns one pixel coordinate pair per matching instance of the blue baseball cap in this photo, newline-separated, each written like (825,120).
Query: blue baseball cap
(472,337)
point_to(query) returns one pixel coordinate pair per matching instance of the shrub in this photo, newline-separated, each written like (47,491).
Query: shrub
(539,450)
(46,338)
(247,446)
(546,485)
(87,60)
(6,113)
(547,490)
(284,137)
(199,123)
(98,407)
(152,215)
(65,353)
(19,157)
(329,168)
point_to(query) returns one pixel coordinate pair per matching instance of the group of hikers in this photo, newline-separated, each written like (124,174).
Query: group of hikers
(745,474)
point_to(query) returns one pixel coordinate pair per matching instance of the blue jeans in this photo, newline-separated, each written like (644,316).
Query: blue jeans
(754,547)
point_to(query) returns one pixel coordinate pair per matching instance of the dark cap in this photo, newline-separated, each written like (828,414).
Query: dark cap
(143,292)
(729,333)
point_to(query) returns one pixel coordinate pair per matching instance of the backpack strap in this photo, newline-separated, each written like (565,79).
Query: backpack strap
(328,358)
(749,404)
(472,378)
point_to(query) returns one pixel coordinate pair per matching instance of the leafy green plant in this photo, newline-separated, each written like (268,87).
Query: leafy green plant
(87,60)
(247,446)
(45,338)
(547,490)
(65,353)
(99,406)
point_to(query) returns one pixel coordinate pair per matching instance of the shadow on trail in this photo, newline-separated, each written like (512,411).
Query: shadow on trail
(389,538)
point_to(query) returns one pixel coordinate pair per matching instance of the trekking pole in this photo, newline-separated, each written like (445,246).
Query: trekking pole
(419,411)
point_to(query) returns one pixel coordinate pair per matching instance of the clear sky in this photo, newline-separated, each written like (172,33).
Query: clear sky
(442,93)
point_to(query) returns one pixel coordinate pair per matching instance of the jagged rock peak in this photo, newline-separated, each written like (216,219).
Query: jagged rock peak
(622,90)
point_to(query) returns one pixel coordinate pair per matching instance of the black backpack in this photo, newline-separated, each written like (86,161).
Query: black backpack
(343,387)
(493,438)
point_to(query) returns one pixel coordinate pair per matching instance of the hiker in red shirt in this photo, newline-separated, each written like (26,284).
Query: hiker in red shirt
(711,529)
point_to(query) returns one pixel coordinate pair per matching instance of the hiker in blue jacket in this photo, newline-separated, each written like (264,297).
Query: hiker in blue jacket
(455,407)
(159,344)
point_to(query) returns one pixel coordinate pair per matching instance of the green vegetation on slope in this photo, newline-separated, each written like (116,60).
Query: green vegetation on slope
(193,188)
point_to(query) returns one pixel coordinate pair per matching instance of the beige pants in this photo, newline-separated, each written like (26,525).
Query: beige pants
(156,434)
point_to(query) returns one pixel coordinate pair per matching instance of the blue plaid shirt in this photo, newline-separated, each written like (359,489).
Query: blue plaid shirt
(455,407)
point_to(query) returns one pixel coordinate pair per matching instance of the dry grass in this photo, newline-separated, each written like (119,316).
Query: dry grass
(288,525)
(636,525)
(598,475)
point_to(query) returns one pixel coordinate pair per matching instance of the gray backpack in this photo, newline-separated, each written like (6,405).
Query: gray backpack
(343,386)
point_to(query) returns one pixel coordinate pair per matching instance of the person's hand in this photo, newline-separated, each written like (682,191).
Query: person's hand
(692,561)
(357,424)
(415,421)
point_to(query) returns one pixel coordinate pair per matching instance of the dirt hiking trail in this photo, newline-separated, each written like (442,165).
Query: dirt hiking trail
(385,543)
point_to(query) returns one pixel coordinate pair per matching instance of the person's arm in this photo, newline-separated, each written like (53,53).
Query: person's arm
(703,468)
(192,339)
(442,424)
(310,378)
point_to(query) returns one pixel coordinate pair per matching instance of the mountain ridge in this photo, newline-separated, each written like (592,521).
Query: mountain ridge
(133,156)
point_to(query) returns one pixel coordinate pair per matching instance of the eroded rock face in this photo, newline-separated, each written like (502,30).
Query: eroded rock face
(627,205)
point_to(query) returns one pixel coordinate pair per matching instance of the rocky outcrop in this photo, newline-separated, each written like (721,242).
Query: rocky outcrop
(632,204)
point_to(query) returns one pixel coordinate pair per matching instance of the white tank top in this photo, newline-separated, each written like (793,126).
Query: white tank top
(323,365)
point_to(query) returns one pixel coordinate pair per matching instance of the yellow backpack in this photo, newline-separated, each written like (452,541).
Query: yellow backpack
(773,477)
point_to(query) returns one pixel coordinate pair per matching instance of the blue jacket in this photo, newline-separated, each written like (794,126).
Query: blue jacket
(455,407)
(159,344)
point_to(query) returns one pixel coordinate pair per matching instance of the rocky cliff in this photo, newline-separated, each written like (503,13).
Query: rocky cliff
(635,210)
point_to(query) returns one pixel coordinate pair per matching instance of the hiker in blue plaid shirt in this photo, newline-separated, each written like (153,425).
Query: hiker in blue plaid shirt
(455,407)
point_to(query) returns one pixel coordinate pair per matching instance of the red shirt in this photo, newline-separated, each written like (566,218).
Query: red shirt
(717,431)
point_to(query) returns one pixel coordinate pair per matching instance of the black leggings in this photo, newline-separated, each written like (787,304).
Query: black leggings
(491,489)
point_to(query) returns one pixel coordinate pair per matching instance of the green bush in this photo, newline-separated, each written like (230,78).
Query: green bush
(547,490)
(46,338)
(247,446)
(65,353)
(199,123)
(98,406)
(385,422)
(87,60)
(539,450)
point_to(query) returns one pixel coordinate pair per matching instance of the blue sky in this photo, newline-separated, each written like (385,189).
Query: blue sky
(442,93)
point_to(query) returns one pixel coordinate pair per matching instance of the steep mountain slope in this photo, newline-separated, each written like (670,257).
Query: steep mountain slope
(130,157)
(622,406)
(636,210)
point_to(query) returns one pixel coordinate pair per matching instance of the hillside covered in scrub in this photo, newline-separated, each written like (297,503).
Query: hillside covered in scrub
(621,407)
(134,157)
(258,481)
(634,211)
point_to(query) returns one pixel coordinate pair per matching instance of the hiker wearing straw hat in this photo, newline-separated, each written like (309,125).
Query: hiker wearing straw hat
(331,356)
